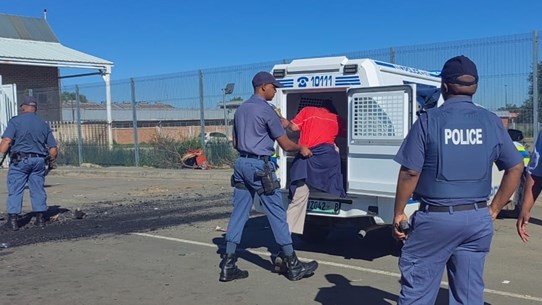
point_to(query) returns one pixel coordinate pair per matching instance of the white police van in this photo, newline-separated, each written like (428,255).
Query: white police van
(378,100)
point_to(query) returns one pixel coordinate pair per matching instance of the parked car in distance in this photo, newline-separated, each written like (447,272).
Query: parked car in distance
(216,137)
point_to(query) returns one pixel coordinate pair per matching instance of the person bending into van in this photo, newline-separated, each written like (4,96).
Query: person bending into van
(319,126)
(255,129)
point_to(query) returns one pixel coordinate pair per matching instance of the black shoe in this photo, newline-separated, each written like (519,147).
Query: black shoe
(298,270)
(229,271)
(40,219)
(12,222)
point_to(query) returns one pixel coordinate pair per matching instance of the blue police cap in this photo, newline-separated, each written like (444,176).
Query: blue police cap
(262,78)
(456,67)
(29,101)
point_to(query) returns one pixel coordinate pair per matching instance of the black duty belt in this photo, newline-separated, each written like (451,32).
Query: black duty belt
(30,155)
(251,156)
(453,208)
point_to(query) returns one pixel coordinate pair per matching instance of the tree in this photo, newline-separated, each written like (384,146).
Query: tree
(528,104)
(71,96)
(525,111)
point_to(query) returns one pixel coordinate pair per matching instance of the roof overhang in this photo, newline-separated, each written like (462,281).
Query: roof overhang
(50,54)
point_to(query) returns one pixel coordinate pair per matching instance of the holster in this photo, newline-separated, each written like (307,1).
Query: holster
(268,184)
(15,158)
(238,185)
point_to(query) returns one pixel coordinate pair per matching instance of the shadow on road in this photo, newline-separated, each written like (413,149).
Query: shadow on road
(341,242)
(344,293)
(535,221)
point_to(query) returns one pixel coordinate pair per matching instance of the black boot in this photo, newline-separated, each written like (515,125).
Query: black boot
(279,266)
(12,222)
(40,219)
(298,270)
(229,270)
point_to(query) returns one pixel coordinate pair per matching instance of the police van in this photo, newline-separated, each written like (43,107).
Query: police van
(379,102)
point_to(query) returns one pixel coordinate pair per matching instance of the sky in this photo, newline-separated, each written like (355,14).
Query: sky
(144,38)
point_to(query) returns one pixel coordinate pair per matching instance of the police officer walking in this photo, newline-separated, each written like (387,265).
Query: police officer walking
(29,141)
(256,127)
(446,162)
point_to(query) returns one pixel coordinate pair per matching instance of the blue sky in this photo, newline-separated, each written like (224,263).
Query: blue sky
(157,37)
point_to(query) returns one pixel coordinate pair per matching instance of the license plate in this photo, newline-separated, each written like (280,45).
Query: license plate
(323,206)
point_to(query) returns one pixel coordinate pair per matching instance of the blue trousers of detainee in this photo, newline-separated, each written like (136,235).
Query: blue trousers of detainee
(245,171)
(458,240)
(31,171)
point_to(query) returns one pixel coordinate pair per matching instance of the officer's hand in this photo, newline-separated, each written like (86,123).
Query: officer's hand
(397,232)
(521,225)
(305,152)
(494,211)
(284,122)
(52,164)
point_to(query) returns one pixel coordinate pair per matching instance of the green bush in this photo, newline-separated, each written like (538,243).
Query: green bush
(220,154)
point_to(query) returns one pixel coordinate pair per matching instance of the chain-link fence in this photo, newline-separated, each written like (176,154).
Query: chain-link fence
(183,105)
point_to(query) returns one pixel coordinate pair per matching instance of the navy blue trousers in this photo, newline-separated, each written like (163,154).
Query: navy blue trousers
(459,241)
(245,172)
(31,171)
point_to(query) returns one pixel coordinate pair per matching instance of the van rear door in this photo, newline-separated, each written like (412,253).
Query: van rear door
(379,118)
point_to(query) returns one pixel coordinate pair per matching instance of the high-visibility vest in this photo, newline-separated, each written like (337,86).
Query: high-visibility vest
(524,153)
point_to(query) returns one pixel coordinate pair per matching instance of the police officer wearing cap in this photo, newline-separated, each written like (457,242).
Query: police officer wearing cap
(446,162)
(29,141)
(256,127)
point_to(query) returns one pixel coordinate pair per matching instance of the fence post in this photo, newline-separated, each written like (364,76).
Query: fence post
(201,109)
(535,83)
(79,133)
(134,123)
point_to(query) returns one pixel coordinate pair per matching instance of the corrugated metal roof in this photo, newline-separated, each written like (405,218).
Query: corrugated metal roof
(18,51)
(30,41)
(28,28)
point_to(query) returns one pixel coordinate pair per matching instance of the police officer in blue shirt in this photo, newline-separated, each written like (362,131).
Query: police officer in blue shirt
(531,190)
(29,141)
(446,162)
(256,127)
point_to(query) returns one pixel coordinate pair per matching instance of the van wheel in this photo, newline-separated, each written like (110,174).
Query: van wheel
(315,233)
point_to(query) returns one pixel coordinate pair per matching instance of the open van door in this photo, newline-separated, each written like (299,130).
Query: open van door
(8,104)
(379,119)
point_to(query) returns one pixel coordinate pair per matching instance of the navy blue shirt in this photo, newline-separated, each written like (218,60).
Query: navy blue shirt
(411,154)
(535,166)
(29,134)
(256,126)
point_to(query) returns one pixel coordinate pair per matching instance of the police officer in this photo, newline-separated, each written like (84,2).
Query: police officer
(29,141)
(446,162)
(531,190)
(256,127)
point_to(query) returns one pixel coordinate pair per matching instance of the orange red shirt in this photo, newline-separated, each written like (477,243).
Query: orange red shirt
(317,126)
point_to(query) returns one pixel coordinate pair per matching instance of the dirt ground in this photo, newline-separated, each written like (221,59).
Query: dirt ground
(119,200)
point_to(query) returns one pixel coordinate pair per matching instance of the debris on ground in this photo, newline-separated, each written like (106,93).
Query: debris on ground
(220,229)
(78,214)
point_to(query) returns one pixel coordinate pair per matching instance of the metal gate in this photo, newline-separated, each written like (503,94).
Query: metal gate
(8,104)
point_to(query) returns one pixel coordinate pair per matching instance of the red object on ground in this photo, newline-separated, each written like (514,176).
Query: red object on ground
(195,158)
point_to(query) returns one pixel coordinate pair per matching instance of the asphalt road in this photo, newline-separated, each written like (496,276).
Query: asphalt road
(154,237)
